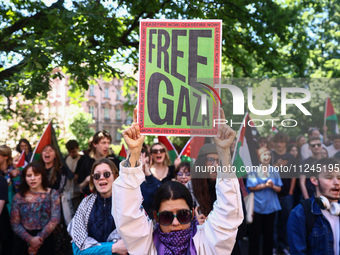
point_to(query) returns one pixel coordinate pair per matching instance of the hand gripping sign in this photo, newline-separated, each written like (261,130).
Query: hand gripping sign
(179,68)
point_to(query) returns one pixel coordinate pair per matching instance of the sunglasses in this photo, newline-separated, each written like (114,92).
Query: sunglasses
(315,145)
(155,151)
(211,161)
(97,176)
(165,218)
(182,174)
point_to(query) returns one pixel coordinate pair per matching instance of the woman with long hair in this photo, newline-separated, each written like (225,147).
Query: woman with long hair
(25,145)
(93,229)
(56,172)
(265,182)
(158,171)
(35,213)
(176,231)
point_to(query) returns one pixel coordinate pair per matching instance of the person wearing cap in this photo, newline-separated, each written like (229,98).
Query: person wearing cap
(265,182)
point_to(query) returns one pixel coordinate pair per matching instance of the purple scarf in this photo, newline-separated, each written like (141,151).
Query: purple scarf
(177,242)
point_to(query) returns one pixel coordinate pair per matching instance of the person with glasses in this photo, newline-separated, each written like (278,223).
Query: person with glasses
(158,171)
(93,229)
(176,231)
(203,189)
(306,186)
(182,173)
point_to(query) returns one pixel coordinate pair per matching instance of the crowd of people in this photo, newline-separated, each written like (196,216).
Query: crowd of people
(91,203)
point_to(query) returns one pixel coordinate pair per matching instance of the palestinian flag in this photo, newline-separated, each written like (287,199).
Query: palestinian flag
(169,146)
(192,148)
(331,116)
(245,152)
(122,154)
(21,163)
(274,130)
(48,137)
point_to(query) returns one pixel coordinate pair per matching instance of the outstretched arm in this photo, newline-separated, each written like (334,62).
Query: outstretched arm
(133,225)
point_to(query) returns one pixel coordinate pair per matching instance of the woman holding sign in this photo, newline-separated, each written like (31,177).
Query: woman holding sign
(176,231)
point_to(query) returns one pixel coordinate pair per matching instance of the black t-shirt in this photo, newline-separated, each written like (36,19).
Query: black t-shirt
(305,164)
(286,177)
(4,216)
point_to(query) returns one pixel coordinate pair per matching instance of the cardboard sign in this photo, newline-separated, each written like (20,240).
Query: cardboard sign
(179,67)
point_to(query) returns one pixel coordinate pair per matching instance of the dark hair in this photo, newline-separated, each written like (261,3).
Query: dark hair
(56,168)
(314,139)
(182,164)
(172,190)
(311,130)
(281,137)
(263,139)
(95,139)
(37,168)
(337,155)
(107,161)
(71,145)
(23,140)
(325,163)
(200,187)
(100,135)
(336,136)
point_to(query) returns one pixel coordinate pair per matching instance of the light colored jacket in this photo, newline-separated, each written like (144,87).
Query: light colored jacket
(216,236)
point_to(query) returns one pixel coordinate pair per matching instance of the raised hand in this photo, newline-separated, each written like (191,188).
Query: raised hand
(225,134)
(134,140)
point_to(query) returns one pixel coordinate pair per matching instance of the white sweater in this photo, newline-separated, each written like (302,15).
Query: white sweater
(216,236)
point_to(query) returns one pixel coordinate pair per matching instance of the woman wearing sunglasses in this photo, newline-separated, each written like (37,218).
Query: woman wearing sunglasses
(158,171)
(176,231)
(182,173)
(92,228)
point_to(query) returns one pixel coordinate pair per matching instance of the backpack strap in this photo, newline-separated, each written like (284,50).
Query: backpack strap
(309,216)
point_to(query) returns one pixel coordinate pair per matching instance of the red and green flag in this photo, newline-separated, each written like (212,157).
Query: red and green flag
(191,148)
(21,163)
(330,116)
(48,137)
(122,154)
(274,130)
(169,146)
(245,154)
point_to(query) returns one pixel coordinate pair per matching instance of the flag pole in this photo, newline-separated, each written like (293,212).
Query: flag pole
(238,138)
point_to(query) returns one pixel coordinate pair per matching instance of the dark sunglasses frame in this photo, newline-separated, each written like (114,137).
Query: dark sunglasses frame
(172,216)
(155,151)
(315,145)
(96,176)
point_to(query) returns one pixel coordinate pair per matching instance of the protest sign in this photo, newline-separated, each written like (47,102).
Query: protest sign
(179,67)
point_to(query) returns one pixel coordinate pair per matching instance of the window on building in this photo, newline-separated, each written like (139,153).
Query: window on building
(92,90)
(106,113)
(118,95)
(91,110)
(118,117)
(118,135)
(106,92)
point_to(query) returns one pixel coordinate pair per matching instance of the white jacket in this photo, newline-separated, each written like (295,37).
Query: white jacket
(216,236)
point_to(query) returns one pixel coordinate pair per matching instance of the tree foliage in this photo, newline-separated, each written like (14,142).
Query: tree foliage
(89,38)
(86,37)
(79,127)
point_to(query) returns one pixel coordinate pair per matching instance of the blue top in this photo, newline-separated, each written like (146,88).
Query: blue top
(320,239)
(265,200)
(101,222)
